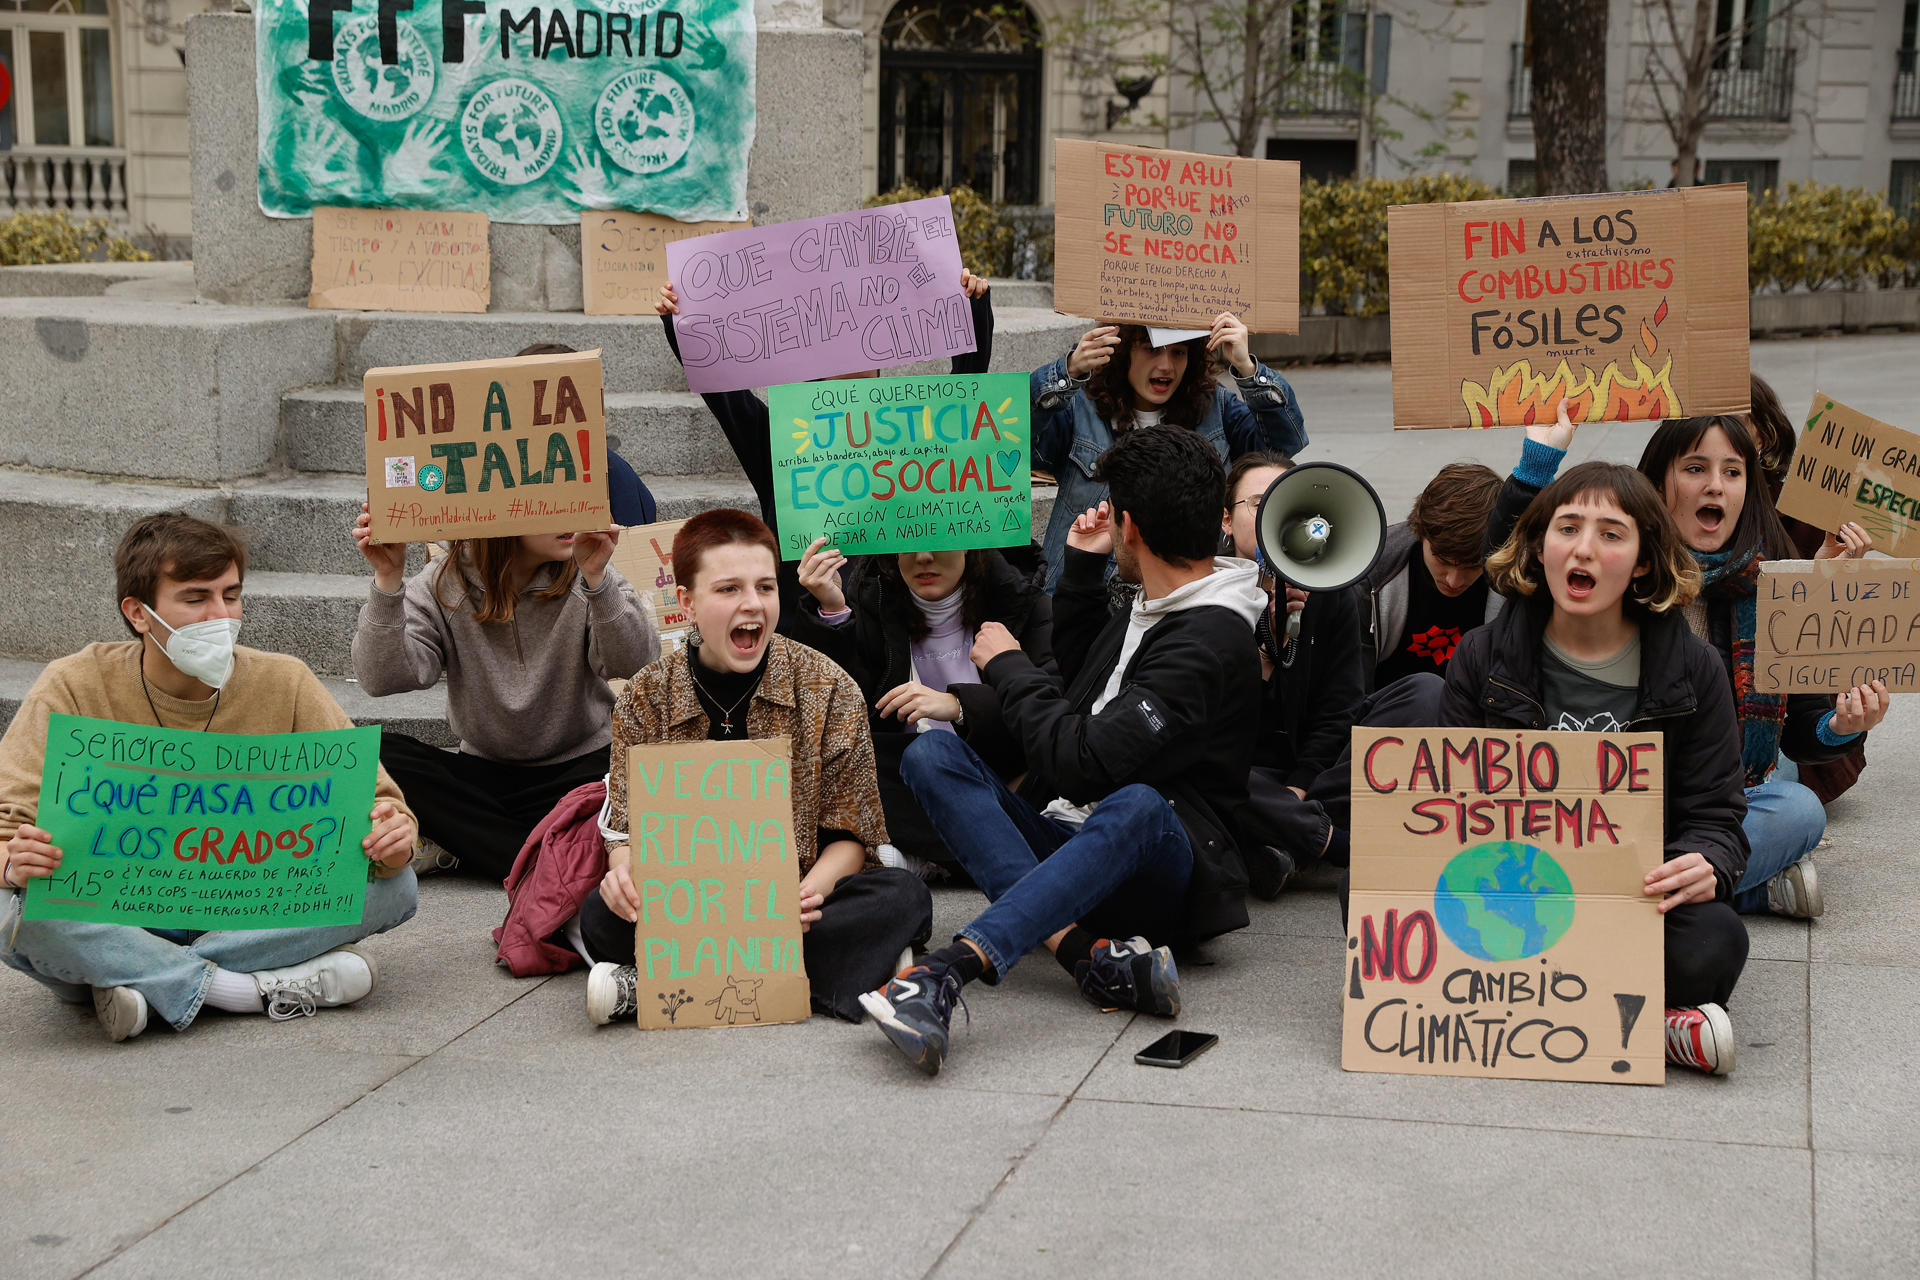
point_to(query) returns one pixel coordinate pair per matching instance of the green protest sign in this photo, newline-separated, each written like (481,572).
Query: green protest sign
(526,113)
(173,829)
(902,464)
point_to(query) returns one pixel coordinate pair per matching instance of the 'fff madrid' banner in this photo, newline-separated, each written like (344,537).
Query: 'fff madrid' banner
(527,113)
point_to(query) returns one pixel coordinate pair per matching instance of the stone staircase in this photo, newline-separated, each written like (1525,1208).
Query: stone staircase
(141,398)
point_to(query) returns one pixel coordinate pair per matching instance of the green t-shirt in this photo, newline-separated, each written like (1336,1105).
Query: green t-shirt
(1602,696)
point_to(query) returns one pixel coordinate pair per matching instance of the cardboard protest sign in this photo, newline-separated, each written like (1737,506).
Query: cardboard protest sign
(526,113)
(174,829)
(487,448)
(1173,238)
(1828,625)
(1496,925)
(1631,305)
(718,939)
(645,558)
(623,258)
(1848,466)
(902,464)
(396,260)
(821,296)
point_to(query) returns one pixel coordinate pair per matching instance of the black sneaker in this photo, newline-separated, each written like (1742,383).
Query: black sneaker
(915,1010)
(1130,974)
(1268,870)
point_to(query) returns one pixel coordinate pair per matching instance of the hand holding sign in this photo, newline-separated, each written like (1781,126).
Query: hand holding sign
(1228,338)
(389,559)
(391,839)
(819,574)
(1557,434)
(1093,352)
(1860,708)
(1851,543)
(1678,881)
(31,852)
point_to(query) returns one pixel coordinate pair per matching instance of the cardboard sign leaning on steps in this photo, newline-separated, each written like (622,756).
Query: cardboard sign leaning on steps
(487,448)
(400,260)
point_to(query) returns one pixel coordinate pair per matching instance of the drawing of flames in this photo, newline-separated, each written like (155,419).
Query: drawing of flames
(1517,396)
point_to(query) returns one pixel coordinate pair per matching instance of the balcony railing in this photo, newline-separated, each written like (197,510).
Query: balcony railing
(1321,89)
(86,183)
(1758,86)
(1519,85)
(1906,88)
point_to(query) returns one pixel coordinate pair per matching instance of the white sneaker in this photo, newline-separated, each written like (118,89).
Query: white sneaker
(1795,892)
(338,977)
(122,1012)
(429,857)
(610,992)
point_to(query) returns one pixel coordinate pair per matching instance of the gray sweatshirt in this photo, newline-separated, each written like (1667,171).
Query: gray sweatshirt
(531,691)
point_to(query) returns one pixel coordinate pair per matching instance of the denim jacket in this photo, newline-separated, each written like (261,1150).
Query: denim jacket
(1069,436)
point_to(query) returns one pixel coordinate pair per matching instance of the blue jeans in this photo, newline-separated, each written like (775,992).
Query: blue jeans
(173,967)
(1784,821)
(1125,871)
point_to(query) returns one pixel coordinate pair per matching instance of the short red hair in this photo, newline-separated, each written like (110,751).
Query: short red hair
(718,528)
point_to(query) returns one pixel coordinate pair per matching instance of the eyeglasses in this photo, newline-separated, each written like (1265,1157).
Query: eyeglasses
(1246,502)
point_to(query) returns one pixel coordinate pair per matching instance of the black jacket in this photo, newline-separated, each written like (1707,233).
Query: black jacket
(873,646)
(1179,725)
(1799,739)
(1307,708)
(1494,682)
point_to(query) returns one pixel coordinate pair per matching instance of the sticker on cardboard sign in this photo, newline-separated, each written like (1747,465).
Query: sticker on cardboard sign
(400,473)
(432,477)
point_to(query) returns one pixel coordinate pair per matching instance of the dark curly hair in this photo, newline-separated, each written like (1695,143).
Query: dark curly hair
(1112,394)
(973,592)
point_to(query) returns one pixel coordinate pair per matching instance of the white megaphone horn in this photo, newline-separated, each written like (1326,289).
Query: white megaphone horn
(1321,527)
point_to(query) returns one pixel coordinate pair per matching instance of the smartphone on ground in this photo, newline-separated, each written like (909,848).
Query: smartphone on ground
(1176,1049)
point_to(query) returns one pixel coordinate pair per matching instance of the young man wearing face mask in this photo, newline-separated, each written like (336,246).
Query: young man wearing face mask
(178,581)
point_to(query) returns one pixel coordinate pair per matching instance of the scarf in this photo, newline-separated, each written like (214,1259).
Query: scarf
(1760,714)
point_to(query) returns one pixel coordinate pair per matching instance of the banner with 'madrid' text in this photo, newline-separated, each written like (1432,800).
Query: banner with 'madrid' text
(525,112)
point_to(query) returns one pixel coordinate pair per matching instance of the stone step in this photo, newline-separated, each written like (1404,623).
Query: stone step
(310,615)
(634,348)
(421,714)
(659,433)
(150,390)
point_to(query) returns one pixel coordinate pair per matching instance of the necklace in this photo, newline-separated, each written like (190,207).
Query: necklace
(141,667)
(726,716)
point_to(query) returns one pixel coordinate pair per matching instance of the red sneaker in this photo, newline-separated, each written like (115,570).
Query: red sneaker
(1701,1038)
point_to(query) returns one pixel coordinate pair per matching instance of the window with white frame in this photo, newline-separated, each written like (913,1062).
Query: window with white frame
(58,57)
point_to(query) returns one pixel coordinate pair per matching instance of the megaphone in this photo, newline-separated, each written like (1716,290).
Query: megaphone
(1321,527)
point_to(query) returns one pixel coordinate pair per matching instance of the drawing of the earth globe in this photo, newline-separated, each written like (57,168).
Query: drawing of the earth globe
(382,90)
(1504,900)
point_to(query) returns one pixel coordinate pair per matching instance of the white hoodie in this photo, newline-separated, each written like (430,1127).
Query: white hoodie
(1234,584)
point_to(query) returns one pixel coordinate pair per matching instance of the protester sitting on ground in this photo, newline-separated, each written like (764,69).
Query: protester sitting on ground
(1598,576)
(527,631)
(1702,467)
(742,415)
(629,501)
(1773,436)
(178,580)
(1426,587)
(1313,688)
(1137,749)
(737,680)
(902,626)
(1114,381)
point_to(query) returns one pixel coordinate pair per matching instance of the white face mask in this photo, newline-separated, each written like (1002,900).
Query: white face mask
(203,650)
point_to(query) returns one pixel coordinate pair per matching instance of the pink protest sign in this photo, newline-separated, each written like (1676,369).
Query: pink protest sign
(820,296)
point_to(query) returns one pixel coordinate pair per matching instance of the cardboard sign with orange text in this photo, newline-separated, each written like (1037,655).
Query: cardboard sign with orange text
(1496,925)
(718,939)
(1849,467)
(644,557)
(400,260)
(1173,238)
(623,257)
(1828,625)
(1632,305)
(487,448)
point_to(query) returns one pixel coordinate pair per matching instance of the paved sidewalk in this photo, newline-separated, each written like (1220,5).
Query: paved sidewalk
(461,1122)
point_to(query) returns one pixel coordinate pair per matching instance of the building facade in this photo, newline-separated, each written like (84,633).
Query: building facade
(974,90)
(93,97)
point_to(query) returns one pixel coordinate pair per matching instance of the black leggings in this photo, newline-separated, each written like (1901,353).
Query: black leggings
(864,925)
(481,811)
